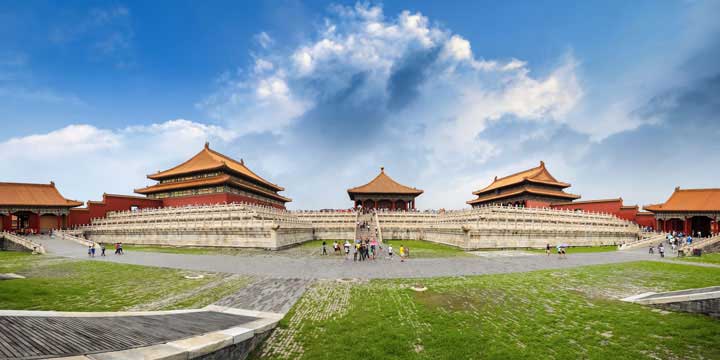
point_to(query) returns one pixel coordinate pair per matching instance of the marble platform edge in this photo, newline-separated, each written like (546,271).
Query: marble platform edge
(193,347)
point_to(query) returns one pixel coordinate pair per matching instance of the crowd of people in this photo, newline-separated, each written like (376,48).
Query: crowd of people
(675,240)
(365,250)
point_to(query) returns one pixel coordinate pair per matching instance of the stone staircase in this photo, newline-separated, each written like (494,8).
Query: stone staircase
(703,243)
(16,242)
(650,239)
(367,228)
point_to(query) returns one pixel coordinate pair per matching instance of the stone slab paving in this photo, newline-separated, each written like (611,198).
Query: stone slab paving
(316,268)
(272,295)
(41,337)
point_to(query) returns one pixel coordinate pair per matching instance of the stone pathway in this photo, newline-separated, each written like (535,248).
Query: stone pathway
(315,268)
(271,295)
(40,337)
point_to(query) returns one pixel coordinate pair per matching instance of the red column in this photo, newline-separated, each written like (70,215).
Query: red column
(6,222)
(34,222)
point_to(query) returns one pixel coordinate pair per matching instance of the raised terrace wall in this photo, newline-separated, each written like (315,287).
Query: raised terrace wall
(330,225)
(507,227)
(243,225)
(231,225)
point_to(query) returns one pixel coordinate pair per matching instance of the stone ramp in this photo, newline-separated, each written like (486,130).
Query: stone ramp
(268,294)
(40,337)
(701,300)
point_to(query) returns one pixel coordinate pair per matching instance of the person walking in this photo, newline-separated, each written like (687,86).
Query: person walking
(90,250)
(390,251)
(102,249)
(347,250)
(661,250)
(324,248)
(402,253)
(547,249)
(120,249)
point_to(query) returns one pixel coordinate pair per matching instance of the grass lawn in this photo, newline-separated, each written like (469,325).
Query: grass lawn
(550,314)
(712,258)
(578,249)
(71,285)
(418,249)
(426,249)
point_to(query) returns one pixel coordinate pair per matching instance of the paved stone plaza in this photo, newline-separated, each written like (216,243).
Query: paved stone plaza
(270,266)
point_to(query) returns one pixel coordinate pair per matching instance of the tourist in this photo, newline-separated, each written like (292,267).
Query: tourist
(407,252)
(661,250)
(673,247)
(390,251)
(547,249)
(689,240)
(102,249)
(117,248)
(347,250)
(324,248)
(120,249)
(356,249)
(90,250)
(336,247)
(651,251)
(402,253)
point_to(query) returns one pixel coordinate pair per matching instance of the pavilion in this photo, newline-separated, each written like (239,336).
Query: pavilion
(689,211)
(33,208)
(383,192)
(212,178)
(534,187)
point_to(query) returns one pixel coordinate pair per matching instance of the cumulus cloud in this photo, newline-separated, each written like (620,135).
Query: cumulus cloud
(365,80)
(87,160)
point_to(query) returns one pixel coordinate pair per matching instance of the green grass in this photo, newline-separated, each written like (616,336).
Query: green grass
(550,314)
(712,258)
(578,249)
(180,250)
(71,285)
(426,249)
(418,249)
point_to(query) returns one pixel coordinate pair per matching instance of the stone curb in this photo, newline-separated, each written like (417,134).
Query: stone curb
(672,297)
(93,314)
(188,348)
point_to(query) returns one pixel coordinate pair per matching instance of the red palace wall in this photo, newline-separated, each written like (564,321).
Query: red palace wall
(110,202)
(646,220)
(79,217)
(614,207)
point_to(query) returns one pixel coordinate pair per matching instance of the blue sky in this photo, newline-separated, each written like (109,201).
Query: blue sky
(618,98)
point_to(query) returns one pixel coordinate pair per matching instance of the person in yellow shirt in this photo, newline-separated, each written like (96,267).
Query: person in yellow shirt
(402,253)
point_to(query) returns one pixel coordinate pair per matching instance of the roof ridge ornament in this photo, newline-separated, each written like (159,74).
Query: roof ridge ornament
(382,169)
(207,145)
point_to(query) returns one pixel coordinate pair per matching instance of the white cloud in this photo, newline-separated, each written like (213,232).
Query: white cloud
(86,160)
(264,40)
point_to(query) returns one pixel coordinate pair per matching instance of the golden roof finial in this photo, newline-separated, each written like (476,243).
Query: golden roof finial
(207,144)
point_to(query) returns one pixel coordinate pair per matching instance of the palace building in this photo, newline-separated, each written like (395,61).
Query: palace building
(212,178)
(689,211)
(383,192)
(534,187)
(33,208)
